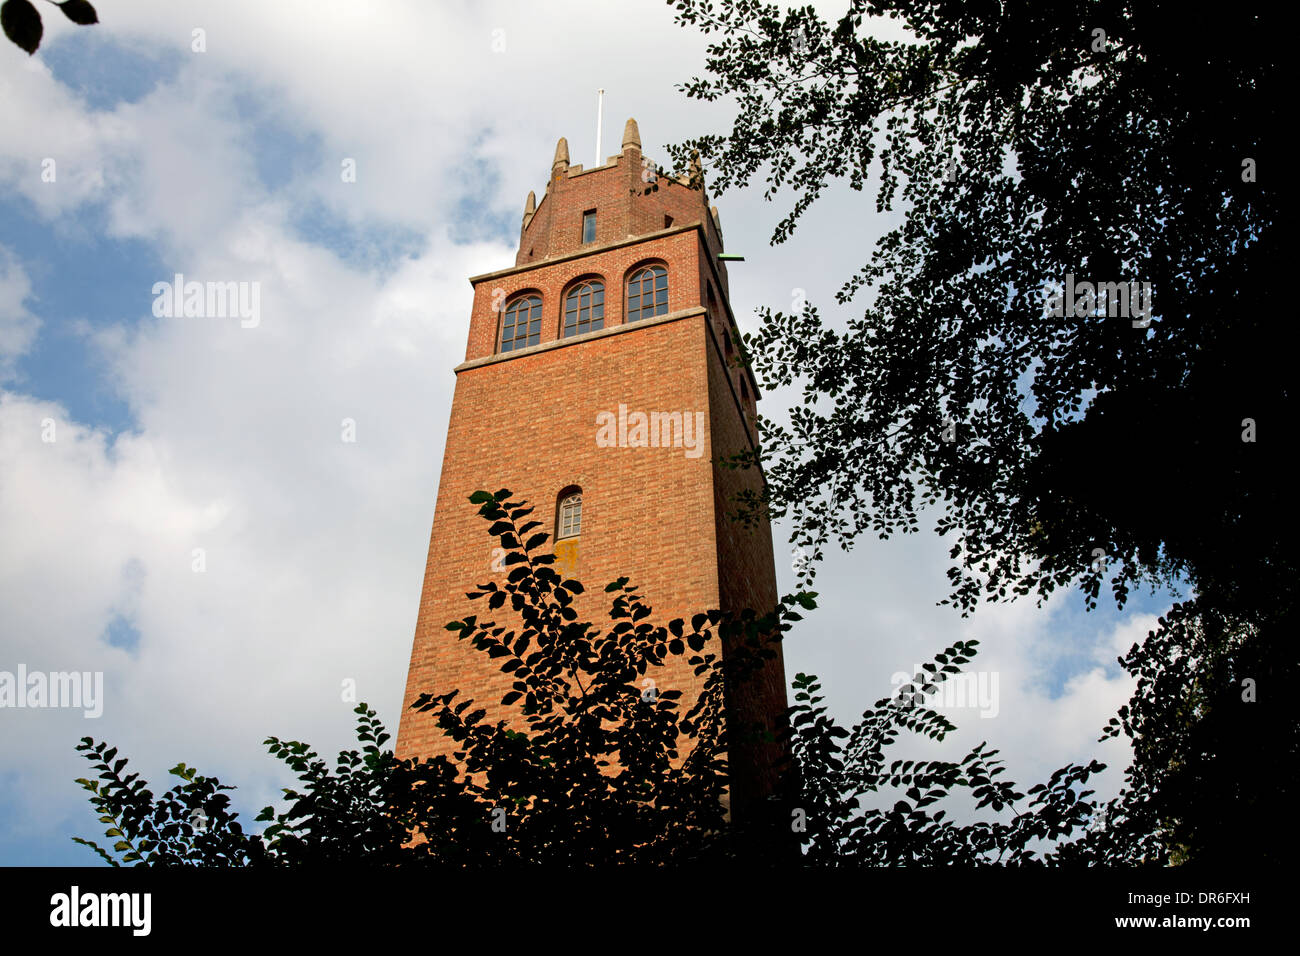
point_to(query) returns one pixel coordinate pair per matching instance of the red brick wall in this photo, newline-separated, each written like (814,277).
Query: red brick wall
(611,264)
(527,421)
(746,575)
(529,424)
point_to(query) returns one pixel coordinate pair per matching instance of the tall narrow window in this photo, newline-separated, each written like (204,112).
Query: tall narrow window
(589,226)
(716,315)
(584,308)
(568,523)
(522,324)
(647,293)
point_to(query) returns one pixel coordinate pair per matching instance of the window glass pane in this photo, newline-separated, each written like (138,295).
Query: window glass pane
(521,325)
(647,293)
(584,306)
(570,522)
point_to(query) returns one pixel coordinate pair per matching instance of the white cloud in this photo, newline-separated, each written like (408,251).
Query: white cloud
(18,326)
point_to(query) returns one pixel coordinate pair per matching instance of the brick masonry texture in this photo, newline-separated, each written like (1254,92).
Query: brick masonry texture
(527,421)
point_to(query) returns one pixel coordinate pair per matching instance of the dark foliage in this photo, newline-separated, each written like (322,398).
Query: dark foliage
(596,770)
(1023,145)
(21,21)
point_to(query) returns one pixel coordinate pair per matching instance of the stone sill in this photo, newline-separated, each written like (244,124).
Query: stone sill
(579,339)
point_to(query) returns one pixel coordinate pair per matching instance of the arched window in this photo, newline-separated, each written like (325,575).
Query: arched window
(584,308)
(568,516)
(647,293)
(522,324)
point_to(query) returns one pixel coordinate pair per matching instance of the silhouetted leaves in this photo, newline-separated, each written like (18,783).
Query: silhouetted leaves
(1022,148)
(22,24)
(1050,411)
(79,12)
(596,769)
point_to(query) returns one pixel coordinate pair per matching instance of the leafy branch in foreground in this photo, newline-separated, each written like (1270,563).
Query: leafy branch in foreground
(21,21)
(612,756)
(592,755)
(839,779)
(189,824)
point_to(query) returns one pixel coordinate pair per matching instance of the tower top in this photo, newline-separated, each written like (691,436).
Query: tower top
(621,198)
(631,135)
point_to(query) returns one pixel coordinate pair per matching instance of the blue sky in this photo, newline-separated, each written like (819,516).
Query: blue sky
(175,435)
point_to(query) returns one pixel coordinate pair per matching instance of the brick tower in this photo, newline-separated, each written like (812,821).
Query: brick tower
(602,383)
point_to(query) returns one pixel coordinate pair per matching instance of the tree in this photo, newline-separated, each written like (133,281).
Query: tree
(1074,344)
(835,780)
(594,769)
(1025,143)
(1213,778)
(599,770)
(21,21)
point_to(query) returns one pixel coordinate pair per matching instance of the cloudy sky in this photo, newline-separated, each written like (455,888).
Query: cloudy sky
(128,440)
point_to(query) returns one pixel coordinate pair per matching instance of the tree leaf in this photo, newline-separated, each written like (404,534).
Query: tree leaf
(22,24)
(79,12)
